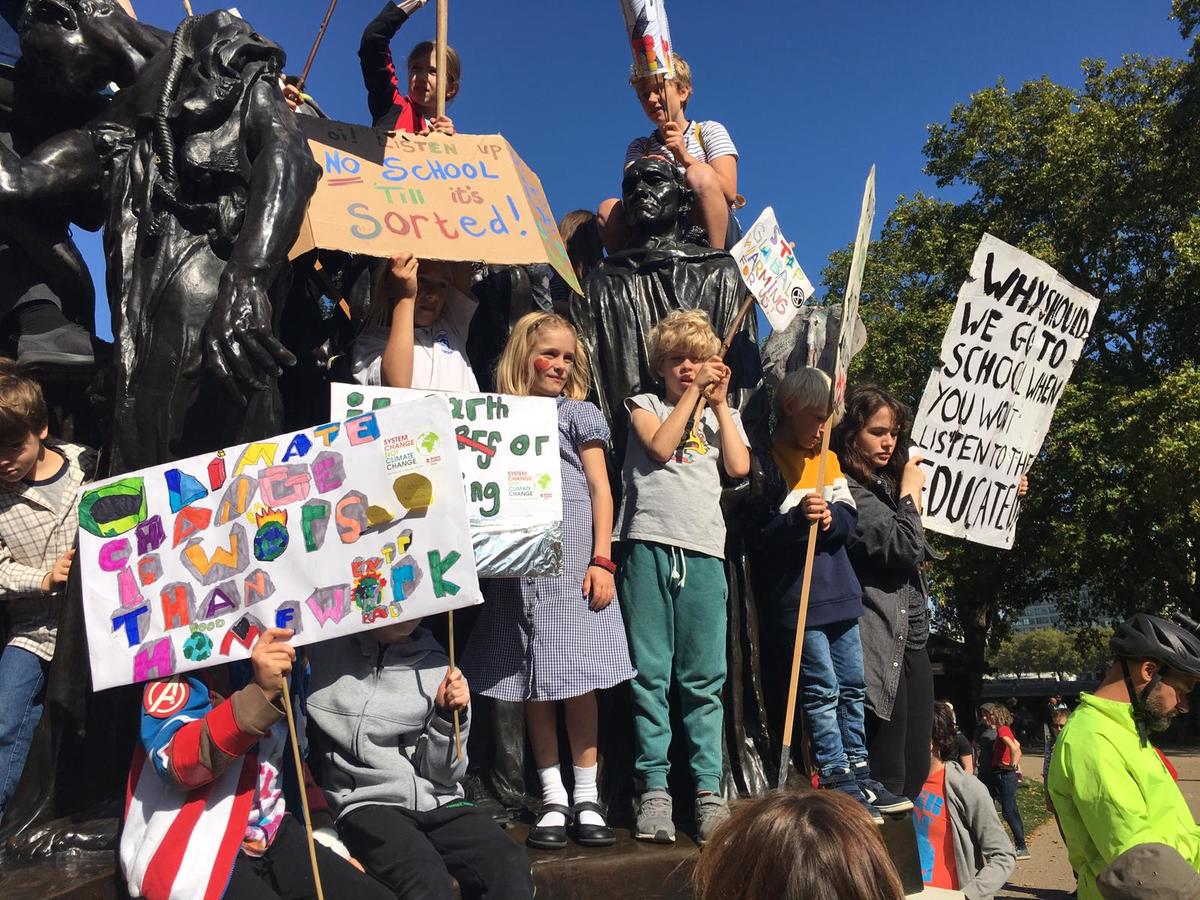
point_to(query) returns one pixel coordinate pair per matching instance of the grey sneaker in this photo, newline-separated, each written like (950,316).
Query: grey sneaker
(654,817)
(67,345)
(711,811)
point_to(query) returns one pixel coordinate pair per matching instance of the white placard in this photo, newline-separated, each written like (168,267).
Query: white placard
(327,531)
(512,477)
(1013,341)
(771,271)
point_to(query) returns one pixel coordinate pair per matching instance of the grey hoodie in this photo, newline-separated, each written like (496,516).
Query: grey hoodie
(982,849)
(381,740)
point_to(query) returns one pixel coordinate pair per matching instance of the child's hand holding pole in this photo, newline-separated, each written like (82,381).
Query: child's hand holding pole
(272,659)
(453,694)
(673,140)
(817,510)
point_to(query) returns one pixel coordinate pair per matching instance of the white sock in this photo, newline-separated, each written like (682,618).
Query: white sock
(585,790)
(553,791)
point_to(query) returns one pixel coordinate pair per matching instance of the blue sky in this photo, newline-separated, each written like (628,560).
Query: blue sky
(812,93)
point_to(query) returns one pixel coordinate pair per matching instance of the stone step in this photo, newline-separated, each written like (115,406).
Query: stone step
(629,868)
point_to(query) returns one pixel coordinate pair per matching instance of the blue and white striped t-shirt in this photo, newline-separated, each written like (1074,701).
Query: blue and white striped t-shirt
(704,140)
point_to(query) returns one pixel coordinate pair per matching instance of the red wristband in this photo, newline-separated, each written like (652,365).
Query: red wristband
(604,563)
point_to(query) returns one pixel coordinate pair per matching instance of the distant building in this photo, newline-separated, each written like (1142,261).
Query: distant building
(1038,615)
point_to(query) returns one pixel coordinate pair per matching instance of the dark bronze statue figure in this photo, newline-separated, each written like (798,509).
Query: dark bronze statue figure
(201,179)
(204,179)
(629,292)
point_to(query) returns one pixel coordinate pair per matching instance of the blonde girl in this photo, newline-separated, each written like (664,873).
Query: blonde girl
(545,640)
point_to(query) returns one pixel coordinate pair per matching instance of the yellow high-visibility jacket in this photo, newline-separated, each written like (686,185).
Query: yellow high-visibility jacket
(1111,793)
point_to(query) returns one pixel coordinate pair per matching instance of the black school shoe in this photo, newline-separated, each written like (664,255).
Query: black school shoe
(549,837)
(592,835)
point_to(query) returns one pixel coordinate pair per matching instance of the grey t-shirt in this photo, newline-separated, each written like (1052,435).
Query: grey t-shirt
(677,503)
(53,490)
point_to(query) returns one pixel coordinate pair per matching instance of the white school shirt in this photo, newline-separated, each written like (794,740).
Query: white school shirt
(439,350)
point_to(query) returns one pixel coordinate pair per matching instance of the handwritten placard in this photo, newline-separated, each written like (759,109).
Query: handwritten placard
(771,272)
(1013,341)
(336,529)
(512,478)
(468,198)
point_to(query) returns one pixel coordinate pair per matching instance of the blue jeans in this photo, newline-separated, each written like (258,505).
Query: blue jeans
(22,687)
(833,691)
(1006,787)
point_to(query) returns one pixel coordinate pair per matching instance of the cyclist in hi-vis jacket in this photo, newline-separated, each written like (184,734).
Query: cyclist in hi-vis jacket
(1111,789)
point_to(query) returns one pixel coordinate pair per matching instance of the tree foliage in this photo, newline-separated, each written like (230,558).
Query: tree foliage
(1103,183)
(1037,652)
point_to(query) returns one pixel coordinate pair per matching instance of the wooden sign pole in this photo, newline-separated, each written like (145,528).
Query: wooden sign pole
(312,54)
(308,831)
(747,305)
(443,78)
(443,28)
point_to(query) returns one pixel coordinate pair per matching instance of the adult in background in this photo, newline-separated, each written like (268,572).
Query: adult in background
(1111,789)
(985,741)
(1006,762)
(888,552)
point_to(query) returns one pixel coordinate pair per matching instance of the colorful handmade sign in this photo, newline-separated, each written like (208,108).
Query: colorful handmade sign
(468,198)
(328,531)
(649,37)
(1017,331)
(771,272)
(508,451)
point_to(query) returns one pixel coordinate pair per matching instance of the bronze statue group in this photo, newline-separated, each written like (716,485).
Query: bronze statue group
(683,534)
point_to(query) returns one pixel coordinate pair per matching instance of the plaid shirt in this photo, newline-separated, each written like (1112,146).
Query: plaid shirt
(32,538)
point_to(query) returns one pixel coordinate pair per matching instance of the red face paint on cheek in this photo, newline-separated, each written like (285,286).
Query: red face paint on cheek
(541,364)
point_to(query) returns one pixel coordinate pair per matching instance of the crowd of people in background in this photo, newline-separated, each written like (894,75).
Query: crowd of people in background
(214,798)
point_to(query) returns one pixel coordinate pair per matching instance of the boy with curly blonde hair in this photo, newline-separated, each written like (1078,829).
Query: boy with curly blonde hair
(673,573)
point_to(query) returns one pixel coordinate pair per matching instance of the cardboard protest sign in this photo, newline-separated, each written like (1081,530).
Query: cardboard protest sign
(847,336)
(1013,341)
(512,481)
(770,271)
(468,198)
(327,531)
(649,37)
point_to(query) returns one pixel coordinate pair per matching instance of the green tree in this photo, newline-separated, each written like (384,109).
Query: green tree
(1036,653)
(1091,643)
(1102,183)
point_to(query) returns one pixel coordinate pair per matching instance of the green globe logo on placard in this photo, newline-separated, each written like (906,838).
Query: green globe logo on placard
(428,443)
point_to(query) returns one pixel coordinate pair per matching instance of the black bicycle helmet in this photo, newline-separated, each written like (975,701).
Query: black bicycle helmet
(1149,637)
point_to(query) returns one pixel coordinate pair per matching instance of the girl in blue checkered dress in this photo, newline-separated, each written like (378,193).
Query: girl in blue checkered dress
(542,640)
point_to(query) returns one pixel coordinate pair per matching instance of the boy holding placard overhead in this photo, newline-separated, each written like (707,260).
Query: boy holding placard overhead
(39,484)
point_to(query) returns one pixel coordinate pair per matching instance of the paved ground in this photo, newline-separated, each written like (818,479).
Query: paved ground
(1047,876)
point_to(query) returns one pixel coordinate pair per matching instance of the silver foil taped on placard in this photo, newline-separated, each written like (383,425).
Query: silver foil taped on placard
(533,551)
